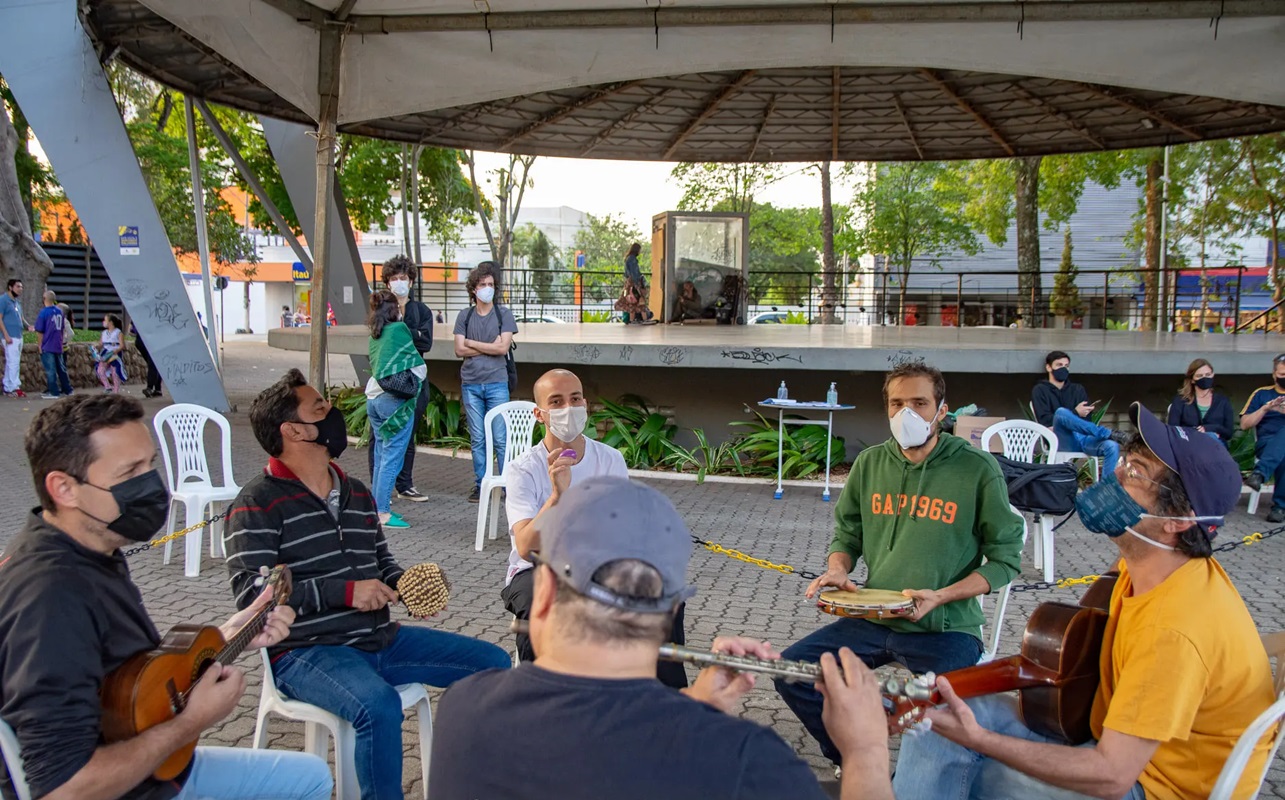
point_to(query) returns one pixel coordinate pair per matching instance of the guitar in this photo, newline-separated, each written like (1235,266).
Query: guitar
(1056,673)
(153,687)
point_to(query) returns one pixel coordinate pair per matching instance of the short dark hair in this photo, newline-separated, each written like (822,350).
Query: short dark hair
(12,281)
(916,370)
(277,404)
(1054,356)
(1172,501)
(479,272)
(58,438)
(397,265)
(598,622)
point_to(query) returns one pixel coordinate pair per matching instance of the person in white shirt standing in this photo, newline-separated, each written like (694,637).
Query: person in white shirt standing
(536,480)
(11,326)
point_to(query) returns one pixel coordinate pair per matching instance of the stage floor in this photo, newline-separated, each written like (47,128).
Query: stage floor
(849,347)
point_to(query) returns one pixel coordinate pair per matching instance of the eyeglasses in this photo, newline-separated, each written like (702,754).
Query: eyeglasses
(1132,472)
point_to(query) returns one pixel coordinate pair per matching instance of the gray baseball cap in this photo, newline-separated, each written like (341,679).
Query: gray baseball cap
(604,519)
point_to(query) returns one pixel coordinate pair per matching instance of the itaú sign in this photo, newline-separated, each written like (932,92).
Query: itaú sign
(300,273)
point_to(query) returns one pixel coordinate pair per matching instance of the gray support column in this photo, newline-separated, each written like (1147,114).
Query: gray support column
(329,63)
(48,61)
(202,227)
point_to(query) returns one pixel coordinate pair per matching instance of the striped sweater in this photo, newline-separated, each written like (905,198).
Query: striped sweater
(277,520)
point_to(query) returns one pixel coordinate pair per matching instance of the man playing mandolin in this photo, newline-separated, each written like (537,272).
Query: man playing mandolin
(70,615)
(929,513)
(1182,669)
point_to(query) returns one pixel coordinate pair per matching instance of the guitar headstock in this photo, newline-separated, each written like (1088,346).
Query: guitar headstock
(906,699)
(280,580)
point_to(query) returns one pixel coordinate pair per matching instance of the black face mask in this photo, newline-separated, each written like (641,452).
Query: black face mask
(332,432)
(1205,383)
(1061,374)
(1280,382)
(143,500)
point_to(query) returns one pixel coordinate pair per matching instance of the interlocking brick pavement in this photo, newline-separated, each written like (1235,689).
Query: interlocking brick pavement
(734,597)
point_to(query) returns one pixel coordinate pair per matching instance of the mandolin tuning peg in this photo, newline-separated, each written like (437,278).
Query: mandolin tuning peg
(264,571)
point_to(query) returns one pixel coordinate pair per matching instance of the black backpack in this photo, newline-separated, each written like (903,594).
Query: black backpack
(1040,488)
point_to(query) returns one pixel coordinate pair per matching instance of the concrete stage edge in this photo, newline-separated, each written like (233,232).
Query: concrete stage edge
(711,372)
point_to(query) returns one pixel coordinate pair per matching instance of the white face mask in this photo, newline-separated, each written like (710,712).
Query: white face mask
(399,287)
(485,294)
(1148,540)
(566,423)
(909,429)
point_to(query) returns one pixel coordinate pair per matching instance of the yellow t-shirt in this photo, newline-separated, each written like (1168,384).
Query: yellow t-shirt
(1184,665)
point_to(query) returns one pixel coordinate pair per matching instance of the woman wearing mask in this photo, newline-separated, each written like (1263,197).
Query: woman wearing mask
(1198,406)
(399,275)
(397,372)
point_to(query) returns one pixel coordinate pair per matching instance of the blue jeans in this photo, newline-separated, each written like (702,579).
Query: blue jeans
(55,373)
(1077,433)
(235,773)
(1271,464)
(389,450)
(876,645)
(931,767)
(480,398)
(358,686)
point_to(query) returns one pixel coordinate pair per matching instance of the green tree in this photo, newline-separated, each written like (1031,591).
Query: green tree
(604,242)
(1065,300)
(1258,194)
(539,263)
(34,178)
(783,253)
(1201,177)
(20,255)
(912,211)
(723,187)
(499,212)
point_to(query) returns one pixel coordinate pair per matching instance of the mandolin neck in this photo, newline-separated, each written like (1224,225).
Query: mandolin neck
(1005,675)
(242,638)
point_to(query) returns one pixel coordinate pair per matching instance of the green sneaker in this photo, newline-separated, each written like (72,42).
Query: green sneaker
(396,521)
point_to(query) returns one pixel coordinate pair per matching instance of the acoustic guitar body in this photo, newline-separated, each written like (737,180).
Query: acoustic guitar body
(1067,640)
(149,688)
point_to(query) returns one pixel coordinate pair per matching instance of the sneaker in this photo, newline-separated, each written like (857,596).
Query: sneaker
(1120,437)
(18,393)
(476,496)
(396,521)
(1277,514)
(412,494)
(48,396)
(1254,481)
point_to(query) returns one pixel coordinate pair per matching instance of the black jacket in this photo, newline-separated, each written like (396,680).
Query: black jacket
(1047,399)
(419,319)
(1219,419)
(277,520)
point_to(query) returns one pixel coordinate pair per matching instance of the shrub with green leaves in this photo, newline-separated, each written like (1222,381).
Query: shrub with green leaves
(803,447)
(642,436)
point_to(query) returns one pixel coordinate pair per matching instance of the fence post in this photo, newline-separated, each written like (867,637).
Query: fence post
(1240,287)
(959,300)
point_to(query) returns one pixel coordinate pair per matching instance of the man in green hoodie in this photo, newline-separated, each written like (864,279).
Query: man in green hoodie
(929,513)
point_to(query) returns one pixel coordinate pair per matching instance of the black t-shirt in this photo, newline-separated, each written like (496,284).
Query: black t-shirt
(532,733)
(68,617)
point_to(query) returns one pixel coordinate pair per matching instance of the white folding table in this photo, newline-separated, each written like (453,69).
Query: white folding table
(827,423)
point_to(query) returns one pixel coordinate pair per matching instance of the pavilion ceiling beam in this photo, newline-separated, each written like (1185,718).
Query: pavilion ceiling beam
(758,136)
(968,108)
(1141,108)
(835,98)
(707,112)
(841,13)
(344,9)
(1060,115)
(560,113)
(638,111)
(905,121)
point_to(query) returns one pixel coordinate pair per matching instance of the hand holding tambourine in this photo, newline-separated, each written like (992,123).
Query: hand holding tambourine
(424,590)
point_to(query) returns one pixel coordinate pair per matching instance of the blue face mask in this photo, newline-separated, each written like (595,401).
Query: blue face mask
(1105,507)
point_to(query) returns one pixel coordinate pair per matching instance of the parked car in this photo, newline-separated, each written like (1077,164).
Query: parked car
(541,318)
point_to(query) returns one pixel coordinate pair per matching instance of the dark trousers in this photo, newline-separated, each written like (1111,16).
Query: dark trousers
(55,374)
(405,478)
(153,374)
(519,595)
(877,645)
(1271,464)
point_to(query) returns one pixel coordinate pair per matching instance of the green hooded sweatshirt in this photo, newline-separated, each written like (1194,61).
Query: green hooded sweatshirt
(926,526)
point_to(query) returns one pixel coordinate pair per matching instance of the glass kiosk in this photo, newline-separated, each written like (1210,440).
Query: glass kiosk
(700,267)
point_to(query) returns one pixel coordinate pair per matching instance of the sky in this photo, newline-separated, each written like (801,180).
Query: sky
(636,190)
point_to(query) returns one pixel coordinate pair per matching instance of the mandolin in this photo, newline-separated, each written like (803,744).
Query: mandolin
(1056,674)
(153,687)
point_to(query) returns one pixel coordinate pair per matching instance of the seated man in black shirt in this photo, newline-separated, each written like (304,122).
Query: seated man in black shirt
(588,719)
(70,615)
(1064,406)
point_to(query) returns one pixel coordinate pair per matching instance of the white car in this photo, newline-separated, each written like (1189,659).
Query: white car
(770,318)
(540,318)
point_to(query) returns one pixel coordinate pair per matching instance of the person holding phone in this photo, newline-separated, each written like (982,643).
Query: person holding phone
(1265,413)
(1064,406)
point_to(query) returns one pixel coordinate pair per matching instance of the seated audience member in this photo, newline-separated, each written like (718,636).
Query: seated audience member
(345,653)
(1064,406)
(1265,414)
(588,720)
(70,615)
(1198,406)
(1183,670)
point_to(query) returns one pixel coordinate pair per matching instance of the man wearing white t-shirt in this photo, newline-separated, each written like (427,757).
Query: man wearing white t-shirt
(536,479)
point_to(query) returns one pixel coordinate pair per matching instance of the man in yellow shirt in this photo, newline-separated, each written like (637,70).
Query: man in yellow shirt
(1183,670)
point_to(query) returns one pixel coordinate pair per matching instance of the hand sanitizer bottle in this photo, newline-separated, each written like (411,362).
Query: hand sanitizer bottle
(782,393)
(832,396)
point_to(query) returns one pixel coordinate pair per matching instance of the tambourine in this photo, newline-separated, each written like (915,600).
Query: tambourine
(424,589)
(866,604)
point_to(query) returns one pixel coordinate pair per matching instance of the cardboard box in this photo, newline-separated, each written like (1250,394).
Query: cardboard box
(970,428)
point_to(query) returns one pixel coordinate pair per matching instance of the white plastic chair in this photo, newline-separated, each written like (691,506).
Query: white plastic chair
(1020,439)
(187,472)
(1256,496)
(991,637)
(13,760)
(1230,776)
(320,726)
(519,425)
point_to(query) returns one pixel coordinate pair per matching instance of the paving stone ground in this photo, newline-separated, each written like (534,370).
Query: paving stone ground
(734,597)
